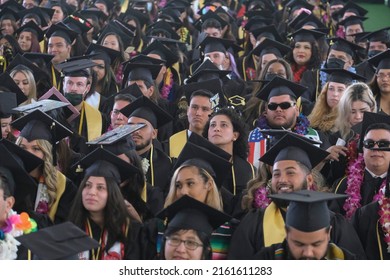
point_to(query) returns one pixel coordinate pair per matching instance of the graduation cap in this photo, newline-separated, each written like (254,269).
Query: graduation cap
(76,66)
(207,17)
(381,35)
(278,134)
(172,16)
(203,142)
(70,111)
(21,63)
(102,163)
(189,213)
(308,210)
(156,47)
(381,60)
(206,8)
(293,147)
(214,86)
(65,7)
(146,109)
(113,27)
(369,119)
(38,13)
(206,159)
(45,105)
(352,8)
(304,19)
(351,20)
(270,46)
(306,35)
(213,44)
(38,58)
(61,30)
(298,4)
(118,140)
(17,163)
(7,13)
(13,5)
(102,52)
(340,44)
(268,31)
(58,242)
(342,76)
(32,27)
(94,14)
(133,90)
(257,22)
(109,4)
(280,86)
(7,103)
(8,84)
(162,27)
(142,18)
(142,67)
(78,23)
(166,41)
(207,71)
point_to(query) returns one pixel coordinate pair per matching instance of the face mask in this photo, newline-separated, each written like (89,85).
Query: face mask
(335,63)
(373,53)
(74,98)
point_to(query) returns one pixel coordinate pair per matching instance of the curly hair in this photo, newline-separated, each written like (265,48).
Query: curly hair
(315,59)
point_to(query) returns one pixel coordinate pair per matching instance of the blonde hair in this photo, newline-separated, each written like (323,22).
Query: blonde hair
(49,172)
(32,94)
(213,198)
(355,92)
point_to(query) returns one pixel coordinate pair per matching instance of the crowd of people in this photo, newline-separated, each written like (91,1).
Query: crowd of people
(187,130)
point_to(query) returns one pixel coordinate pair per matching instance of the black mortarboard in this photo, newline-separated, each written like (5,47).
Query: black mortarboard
(280,86)
(133,90)
(162,27)
(7,103)
(304,19)
(351,20)
(32,27)
(278,134)
(167,41)
(369,119)
(61,30)
(340,44)
(13,5)
(19,162)
(40,13)
(214,86)
(308,210)
(298,4)
(102,163)
(8,84)
(207,71)
(109,4)
(77,23)
(21,63)
(76,66)
(58,242)
(268,31)
(94,14)
(118,140)
(142,67)
(143,18)
(381,60)
(146,109)
(354,8)
(257,22)
(65,7)
(189,213)
(203,142)
(270,46)
(206,159)
(38,57)
(172,16)
(342,76)
(113,27)
(381,35)
(163,51)
(213,44)
(336,2)
(102,52)
(209,16)
(7,13)
(70,111)
(306,35)
(293,147)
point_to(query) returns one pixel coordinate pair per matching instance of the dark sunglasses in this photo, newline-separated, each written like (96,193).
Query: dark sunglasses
(369,144)
(283,105)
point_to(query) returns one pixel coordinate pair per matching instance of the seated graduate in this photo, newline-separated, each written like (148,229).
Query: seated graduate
(308,228)
(99,209)
(190,225)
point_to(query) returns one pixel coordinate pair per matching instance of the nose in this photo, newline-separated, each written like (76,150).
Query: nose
(308,252)
(183,191)
(359,115)
(181,247)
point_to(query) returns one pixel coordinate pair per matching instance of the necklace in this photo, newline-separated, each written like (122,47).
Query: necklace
(384,218)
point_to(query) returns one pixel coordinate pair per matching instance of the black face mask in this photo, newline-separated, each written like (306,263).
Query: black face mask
(373,53)
(335,63)
(73,98)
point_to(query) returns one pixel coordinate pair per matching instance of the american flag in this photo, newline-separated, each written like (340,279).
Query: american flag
(257,146)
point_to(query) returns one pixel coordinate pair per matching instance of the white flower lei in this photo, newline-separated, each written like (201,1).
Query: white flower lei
(9,245)
(145,165)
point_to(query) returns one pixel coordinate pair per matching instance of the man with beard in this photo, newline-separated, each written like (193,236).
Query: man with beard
(308,230)
(157,165)
(292,159)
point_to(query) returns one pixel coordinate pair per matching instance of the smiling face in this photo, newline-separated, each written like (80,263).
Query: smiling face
(302,52)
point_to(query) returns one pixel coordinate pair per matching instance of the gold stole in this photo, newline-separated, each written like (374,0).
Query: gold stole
(334,253)
(273,225)
(144,193)
(94,126)
(177,142)
(61,184)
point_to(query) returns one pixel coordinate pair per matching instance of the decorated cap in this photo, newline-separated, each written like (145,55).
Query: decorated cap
(308,210)
(7,103)
(271,46)
(101,52)
(78,23)
(278,134)
(279,86)
(211,88)
(156,47)
(381,60)
(293,147)
(268,31)
(58,242)
(340,44)
(189,213)
(342,76)
(7,84)
(61,30)
(32,27)
(306,35)
(146,109)
(43,105)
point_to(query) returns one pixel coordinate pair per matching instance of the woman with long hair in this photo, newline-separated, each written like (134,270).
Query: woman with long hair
(24,78)
(29,36)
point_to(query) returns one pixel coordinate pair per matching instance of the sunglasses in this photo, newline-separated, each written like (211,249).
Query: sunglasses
(283,105)
(370,144)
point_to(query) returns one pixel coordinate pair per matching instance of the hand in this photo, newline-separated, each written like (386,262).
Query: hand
(335,152)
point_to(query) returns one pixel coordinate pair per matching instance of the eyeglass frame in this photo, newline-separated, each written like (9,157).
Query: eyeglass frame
(169,240)
(379,143)
(291,104)
(382,76)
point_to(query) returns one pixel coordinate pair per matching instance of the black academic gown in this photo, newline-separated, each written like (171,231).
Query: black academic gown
(365,221)
(369,188)
(366,70)
(248,238)
(280,252)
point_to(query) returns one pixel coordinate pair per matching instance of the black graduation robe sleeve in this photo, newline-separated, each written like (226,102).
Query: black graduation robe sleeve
(66,202)
(139,245)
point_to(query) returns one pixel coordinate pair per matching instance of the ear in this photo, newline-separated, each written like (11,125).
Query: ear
(309,180)
(10,201)
(154,133)
(236,134)
(150,91)
(87,89)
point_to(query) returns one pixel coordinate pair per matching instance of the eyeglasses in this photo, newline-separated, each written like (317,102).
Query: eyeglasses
(370,144)
(382,76)
(283,105)
(189,244)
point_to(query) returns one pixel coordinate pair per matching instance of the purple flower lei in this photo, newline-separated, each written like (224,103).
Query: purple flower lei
(301,126)
(261,199)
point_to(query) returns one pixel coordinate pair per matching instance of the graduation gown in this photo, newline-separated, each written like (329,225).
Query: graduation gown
(248,238)
(368,190)
(365,221)
(280,252)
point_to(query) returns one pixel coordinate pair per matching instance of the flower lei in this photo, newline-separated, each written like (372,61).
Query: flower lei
(168,83)
(15,225)
(384,217)
(183,34)
(145,165)
(301,127)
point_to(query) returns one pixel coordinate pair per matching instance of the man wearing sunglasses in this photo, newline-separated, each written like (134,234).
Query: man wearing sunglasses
(281,112)
(373,169)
